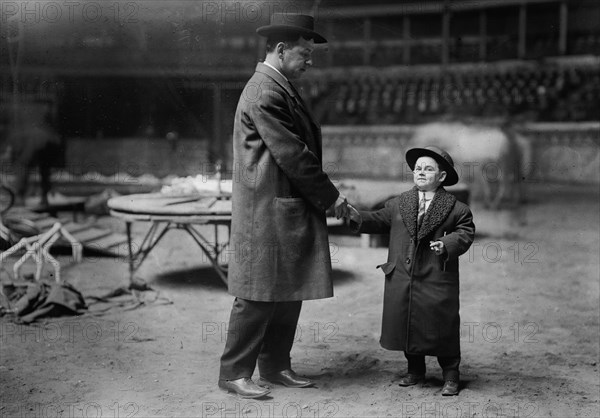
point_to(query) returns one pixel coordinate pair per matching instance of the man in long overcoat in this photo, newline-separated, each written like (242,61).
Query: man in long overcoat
(429,229)
(279,249)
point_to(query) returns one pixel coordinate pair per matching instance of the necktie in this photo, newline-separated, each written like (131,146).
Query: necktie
(298,97)
(422,210)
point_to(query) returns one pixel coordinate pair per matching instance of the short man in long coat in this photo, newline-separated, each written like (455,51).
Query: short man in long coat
(429,229)
(279,249)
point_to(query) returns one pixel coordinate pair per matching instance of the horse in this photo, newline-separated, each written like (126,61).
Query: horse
(490,158)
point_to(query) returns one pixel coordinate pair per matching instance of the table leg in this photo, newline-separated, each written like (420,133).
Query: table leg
(130,249)
(211,251)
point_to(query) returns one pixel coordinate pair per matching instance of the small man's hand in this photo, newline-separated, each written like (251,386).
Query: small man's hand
(353,214)
(437,247)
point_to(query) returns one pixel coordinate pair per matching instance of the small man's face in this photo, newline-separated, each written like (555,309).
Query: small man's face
(427,175)
(298,59)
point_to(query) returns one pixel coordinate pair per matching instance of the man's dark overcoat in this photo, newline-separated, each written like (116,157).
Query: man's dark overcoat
(279,248)
(421,296)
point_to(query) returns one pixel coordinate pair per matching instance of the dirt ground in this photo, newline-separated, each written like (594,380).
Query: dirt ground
(529,314)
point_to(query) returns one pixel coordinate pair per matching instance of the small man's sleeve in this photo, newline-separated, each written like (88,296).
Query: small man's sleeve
(459,241)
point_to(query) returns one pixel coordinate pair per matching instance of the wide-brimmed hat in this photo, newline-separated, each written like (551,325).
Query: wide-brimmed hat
(442,157)
(292,23)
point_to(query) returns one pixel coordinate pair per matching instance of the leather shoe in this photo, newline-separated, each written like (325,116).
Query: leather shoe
(450,388)
(411,379)
(244,387)
(288,378)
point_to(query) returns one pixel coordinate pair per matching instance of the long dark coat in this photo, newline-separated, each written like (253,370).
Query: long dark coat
(279,248)
(421,296)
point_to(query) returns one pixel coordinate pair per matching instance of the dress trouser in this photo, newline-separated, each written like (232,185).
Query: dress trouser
(260,332)
(449,365)
(22,168)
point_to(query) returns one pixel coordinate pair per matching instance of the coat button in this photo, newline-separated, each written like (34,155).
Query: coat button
(407,260)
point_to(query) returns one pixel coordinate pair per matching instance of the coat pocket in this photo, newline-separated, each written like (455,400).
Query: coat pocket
(292,222)
(290,206)
(387,268)
(302,250)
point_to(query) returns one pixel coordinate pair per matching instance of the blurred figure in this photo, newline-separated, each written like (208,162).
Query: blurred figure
(32,143)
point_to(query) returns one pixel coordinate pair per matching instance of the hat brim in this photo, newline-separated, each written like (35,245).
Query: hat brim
(413,154)
(281,29)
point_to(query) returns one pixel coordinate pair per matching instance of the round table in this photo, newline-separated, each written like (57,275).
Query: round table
(167,212)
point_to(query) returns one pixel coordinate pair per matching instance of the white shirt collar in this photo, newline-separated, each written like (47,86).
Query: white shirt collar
(427,195)
(269,65)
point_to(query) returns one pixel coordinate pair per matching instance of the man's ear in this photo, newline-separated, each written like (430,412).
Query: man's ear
(280,47)
(442,176)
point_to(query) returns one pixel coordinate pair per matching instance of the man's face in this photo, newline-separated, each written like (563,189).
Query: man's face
(298,59)
(427,174)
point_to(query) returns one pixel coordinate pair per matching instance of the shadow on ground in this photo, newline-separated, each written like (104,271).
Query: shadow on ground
(341,277)
(206,277)
(196,277)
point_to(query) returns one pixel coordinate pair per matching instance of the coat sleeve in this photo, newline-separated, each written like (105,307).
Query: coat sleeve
(302,167)
(375,222)
(459,240)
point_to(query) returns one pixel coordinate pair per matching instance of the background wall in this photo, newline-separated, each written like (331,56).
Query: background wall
(560,153)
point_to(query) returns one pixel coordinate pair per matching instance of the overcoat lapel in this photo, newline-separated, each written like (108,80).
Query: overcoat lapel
(409,210)
(439,209)
(309,118)
(299,106)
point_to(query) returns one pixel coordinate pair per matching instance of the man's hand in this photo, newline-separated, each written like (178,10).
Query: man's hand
(437,247)
(341,207)
(345,210)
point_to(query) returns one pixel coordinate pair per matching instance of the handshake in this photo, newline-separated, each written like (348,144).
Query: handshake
(345,210)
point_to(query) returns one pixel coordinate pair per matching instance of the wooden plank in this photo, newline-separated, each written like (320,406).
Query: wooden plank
(107,241)
(45,223)
(73,227)
(23,213)
(90,234)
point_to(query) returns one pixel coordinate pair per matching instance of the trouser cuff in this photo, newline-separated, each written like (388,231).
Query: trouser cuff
(452,375)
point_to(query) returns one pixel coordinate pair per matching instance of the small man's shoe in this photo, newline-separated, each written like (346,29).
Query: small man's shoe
(411,379)
(288,378)
(450,388)
(244,387)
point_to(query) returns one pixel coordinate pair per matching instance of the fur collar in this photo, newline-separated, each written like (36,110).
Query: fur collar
(436,214)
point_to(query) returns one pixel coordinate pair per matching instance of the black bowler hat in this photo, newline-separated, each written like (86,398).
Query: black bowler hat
(292,23)
(442,157)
